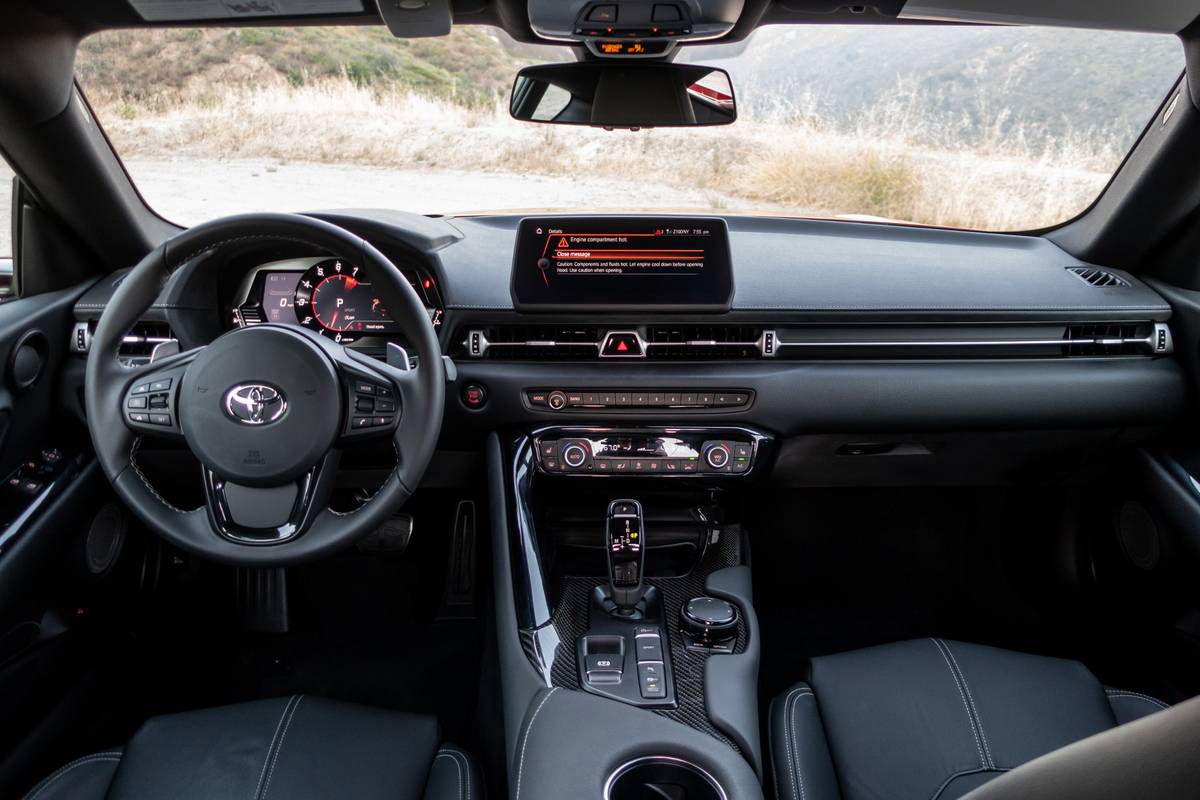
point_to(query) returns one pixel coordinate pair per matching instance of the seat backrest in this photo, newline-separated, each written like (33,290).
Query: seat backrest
(1155,756)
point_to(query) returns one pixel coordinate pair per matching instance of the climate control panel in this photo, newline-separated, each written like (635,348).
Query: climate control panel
(660,452)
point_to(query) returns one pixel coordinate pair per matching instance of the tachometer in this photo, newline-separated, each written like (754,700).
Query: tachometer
(334,298)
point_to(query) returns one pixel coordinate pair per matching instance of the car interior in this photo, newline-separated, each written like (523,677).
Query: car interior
(384,502)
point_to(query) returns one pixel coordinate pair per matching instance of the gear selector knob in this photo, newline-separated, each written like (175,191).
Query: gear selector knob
(626,550)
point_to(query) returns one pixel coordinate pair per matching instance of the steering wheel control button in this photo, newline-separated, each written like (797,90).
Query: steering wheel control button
(474,396)
(138,401)
(364,387)
(138,416)
(160,419)
(556,400)
(141,389)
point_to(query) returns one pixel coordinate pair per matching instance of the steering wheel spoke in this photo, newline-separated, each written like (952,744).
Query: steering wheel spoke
(150,401)
(259,515)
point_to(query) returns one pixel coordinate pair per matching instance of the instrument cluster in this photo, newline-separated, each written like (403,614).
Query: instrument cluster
(332,296)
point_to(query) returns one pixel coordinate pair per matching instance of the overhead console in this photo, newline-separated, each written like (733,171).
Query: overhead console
(658,24)
(602,264)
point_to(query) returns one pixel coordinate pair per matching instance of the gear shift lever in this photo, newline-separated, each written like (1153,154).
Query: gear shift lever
(626,546)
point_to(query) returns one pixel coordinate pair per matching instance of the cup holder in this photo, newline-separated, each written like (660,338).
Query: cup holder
(662,778)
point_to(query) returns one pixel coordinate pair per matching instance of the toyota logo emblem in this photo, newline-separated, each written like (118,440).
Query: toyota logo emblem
(254,403)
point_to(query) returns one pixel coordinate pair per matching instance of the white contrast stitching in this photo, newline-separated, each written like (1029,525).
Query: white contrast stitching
(793,762)
(991,762)
(1111,693)
(267,757)
(525,740)
(966,708)
(63,770)
(137,470)
(458,766)
(279,748)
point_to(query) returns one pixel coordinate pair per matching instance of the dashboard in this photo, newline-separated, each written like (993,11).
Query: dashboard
(857,348)
(331,296)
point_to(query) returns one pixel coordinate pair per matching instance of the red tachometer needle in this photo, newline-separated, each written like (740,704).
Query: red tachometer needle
(333,322)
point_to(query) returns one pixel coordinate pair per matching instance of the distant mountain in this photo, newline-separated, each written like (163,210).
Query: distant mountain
(950,84)
(983,82)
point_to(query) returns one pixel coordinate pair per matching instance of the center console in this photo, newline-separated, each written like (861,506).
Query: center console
(631,608)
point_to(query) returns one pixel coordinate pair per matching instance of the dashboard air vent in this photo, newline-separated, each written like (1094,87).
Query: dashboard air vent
(702,342)
(543,342)
(1109,339)
(593,343)
(1098,277)
(141,340)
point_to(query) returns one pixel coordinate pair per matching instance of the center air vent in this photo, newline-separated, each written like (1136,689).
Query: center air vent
(702,342)
(586,343)
(1098,277)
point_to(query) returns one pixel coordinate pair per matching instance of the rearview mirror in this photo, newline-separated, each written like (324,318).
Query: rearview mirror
(623,95)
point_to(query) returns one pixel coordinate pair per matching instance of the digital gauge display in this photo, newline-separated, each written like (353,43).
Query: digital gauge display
(333,297)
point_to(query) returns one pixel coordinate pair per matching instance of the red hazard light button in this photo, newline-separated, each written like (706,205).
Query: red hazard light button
(622,345)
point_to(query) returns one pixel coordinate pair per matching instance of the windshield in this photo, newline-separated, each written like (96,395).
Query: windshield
(986,128)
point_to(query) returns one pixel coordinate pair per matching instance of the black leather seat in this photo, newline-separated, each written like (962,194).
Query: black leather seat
(295,747)
(932,719)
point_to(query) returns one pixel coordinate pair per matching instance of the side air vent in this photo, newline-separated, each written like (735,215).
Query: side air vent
(137,346)
(1098,277)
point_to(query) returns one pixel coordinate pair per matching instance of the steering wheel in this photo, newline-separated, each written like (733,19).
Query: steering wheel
(265,409)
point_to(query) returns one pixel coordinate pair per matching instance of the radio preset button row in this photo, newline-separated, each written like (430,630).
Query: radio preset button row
(636,399)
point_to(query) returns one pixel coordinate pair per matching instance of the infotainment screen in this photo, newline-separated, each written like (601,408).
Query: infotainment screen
(606,263)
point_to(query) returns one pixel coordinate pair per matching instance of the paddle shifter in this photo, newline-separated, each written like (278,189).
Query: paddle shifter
(626,545)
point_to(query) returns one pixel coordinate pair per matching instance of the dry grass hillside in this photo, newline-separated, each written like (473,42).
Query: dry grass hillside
(339,96)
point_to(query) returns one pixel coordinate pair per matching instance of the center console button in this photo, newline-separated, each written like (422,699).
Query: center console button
(652,687)
(556,400)
(649,648)
(602,465)
(641,399)
(604,662)
(574,455)
(717,455)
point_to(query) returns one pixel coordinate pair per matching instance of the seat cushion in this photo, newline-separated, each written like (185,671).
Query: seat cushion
(298,747)
(932,718)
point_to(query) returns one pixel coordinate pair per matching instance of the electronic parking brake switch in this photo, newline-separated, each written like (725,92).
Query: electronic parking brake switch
(628,623)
